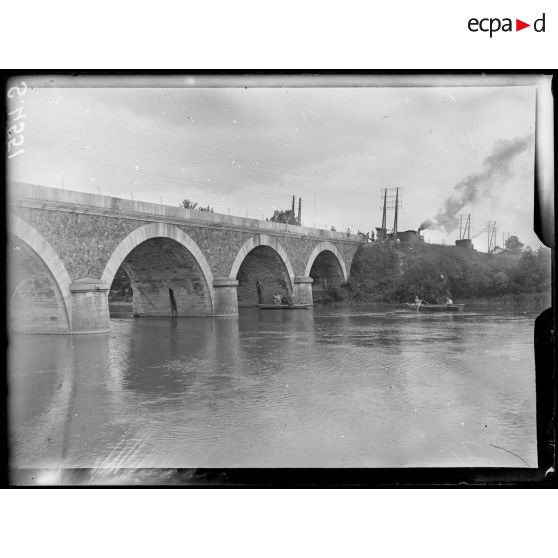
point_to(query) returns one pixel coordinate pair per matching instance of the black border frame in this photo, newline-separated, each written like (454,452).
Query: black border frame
(544,334)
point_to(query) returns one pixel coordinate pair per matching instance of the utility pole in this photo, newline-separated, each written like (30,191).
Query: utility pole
(299,210)
(396,214)
(491,236)
(393,202)
(384,211)
(465,229)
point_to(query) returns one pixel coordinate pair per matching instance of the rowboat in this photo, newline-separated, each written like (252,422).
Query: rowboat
(283,306)
(436,307)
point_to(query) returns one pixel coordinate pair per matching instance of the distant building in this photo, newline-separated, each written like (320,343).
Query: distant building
(465,243)
(381,234)
(411,237)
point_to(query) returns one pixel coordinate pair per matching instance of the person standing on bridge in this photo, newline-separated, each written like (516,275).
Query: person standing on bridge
(259,288)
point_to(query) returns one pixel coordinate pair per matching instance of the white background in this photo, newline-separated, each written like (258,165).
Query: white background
(287,34)
(281,523)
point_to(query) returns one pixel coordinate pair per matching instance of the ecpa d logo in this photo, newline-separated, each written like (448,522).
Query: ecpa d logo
(494,24)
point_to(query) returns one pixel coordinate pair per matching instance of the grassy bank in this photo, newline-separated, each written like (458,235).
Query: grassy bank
(383,272)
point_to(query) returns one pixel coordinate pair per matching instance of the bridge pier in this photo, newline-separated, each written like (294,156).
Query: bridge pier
(303,289)
(226,297)
(90,309)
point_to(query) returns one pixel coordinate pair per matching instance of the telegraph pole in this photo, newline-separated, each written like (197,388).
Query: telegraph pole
(491,236)
(396,214)
(384,211)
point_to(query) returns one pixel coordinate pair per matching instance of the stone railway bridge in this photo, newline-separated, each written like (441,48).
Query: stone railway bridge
(65,249)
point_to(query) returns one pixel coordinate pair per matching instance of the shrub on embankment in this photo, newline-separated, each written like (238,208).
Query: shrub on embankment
(121,289)
(383,272)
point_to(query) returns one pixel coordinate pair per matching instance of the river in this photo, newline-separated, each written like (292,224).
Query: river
(326,387)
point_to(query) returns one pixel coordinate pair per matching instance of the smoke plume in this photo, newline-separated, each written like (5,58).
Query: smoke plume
(467,191)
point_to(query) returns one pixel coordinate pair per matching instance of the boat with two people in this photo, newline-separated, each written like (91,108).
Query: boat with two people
(420,305)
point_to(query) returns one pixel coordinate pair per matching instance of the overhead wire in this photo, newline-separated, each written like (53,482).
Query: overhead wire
(218,150)
(144,141)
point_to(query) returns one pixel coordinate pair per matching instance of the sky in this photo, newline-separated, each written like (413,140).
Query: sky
(246,151)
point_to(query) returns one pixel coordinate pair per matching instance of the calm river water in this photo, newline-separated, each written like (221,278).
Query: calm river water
(327,387)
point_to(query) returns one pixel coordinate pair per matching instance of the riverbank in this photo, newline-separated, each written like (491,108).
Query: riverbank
(527,300)
(390,273)
(531,302)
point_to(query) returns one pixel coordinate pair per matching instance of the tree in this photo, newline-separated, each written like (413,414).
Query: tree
(514,245)
(385,273)
(286,216)
(121,288)
(189,204)
(374,273)
(422,277)
(532,273)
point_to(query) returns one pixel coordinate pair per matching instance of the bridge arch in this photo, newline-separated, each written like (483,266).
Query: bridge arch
(326,246)
(46,299)
(262,258)
(175,257)
(326,267)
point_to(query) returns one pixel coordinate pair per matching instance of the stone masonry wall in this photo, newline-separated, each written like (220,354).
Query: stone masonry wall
(34,299)
(85,242)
